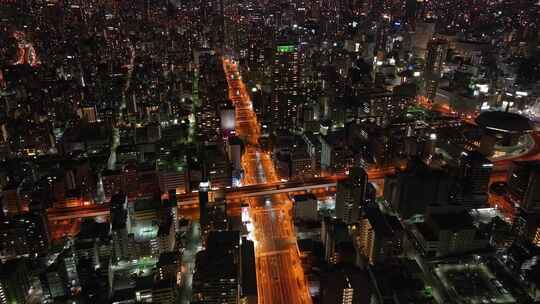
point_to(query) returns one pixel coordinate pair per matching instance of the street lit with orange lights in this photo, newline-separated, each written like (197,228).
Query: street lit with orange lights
(280,277)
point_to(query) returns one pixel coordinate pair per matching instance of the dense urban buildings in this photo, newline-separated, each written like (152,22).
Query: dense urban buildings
(269,152)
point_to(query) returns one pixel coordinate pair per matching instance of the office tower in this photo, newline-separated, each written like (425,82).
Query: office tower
(208,121)
(119,227)
(14,281)
(436,56)
(286,85)
(67,262)
(166,237)
(218,168)
(378,236)
(344,284)
(24,234)
(172,177)
(86,250)
(305,207)
(524,184)
(475,171)
(248,293)
(168,277)
(413,191)
(334,233)
(235,148)
(52,283)
(351,194)
(447,234)
(204,187)
(527,226)
(164,291)
(89,114)
(216,217)
(222,252)
(168,267)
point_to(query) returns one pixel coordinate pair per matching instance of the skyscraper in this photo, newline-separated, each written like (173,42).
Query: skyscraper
(378,236)
(344,284)
(436,55)
(216,279)
(14,282)
(204,186)
(524,186)
(475,172)
(286,82)
(524,183)
(350,195)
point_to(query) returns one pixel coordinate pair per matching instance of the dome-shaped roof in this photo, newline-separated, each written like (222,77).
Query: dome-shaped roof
(504,122)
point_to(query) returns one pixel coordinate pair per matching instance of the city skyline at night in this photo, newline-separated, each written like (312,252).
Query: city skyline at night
(270,151)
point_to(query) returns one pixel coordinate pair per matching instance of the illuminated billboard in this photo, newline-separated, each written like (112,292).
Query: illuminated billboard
(286,48)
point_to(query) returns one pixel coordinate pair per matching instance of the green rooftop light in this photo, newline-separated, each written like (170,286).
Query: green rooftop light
(286,48)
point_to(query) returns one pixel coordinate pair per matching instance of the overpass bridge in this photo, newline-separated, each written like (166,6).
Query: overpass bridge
(191,200)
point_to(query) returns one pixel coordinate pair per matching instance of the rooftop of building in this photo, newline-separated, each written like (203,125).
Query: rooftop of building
(211,259)
(165,228)
(505,122)
(144,204)
(473,282)
(168,258)
(384,225)
(223,240)
(249,273)
(304,197)
(402,278)
(10,267)
(452,221)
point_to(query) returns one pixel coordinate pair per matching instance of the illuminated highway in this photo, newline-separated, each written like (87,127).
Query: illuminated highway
(280,278)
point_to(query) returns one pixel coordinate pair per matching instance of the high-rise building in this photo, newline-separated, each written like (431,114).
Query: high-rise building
(446,234)
(286,85)
(524,184)
(344,284)
(436,56)
(119,227)
(166,237)
(172,178)
(351,194)
(527,227)
(475,172)
(89,114)
(248,294)
(14,282)
(52,283)
(204,187)
(305,207)
(334,234)
(24,234)
(378,236)
(209,285)
(168,267)
(416,189)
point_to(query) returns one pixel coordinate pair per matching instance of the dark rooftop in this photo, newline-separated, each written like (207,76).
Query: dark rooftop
(504,122)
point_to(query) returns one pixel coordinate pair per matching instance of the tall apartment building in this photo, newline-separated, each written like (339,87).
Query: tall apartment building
(351,194)
(436,56)
(378,236)
(286,83)
(209,285)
